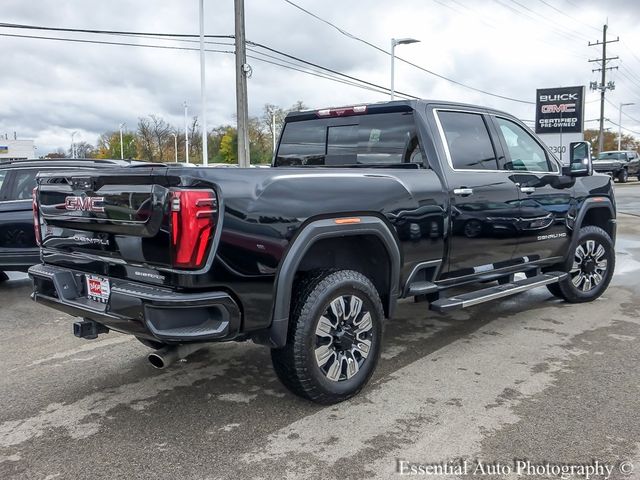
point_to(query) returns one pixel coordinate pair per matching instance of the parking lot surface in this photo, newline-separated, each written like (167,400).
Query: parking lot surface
(527,378)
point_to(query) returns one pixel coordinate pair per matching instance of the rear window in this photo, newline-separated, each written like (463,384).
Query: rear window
(375,139)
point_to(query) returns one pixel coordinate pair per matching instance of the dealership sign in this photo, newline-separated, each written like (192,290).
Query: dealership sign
(4,148)
(560,110)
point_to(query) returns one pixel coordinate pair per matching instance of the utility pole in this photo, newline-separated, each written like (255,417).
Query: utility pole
(186,132)
(603,86)
(242,70)
(203,89)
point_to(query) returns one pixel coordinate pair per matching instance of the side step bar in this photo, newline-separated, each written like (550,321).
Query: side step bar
(487,294)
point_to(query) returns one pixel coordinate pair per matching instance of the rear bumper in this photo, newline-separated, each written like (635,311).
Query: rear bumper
(150,312)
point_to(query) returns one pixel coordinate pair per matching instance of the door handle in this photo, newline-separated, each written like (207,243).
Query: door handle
(464,191)
(527,189)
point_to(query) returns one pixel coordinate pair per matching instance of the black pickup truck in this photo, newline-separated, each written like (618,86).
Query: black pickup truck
(363,206)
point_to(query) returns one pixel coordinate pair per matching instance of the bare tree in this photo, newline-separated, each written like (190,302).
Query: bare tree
(145,140)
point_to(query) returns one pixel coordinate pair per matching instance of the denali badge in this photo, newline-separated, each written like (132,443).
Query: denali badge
(84,204)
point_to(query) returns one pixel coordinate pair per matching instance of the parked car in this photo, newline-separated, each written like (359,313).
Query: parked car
(619,164)
(311,256)
(18,248)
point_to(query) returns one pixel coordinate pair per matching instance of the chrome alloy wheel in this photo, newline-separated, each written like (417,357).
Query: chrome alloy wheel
(343,338)
(589,265)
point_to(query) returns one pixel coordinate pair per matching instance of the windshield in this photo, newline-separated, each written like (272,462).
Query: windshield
(612,156)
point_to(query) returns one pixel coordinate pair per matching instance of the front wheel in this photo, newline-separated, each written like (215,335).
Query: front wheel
(3,276)
(334,337)
(591,269)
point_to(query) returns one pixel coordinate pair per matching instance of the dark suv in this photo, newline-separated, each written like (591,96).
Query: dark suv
(18,248)
(619,164)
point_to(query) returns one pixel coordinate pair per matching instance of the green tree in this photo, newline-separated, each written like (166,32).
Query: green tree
(229,146)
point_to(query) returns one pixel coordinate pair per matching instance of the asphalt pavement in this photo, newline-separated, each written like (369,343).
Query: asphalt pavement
(529,379)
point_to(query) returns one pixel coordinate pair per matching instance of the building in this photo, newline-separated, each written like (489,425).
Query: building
(16,149)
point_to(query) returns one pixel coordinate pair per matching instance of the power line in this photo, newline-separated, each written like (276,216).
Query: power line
(617,107)
(354,81)
(569,16)
(478,16)
(382,50)
(545,19)
(620,126)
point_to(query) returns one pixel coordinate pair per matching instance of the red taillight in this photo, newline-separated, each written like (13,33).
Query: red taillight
(193,215)
(342,112)
(36,215)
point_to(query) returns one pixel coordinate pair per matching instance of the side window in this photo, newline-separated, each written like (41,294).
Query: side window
(468,141)
(526,154)
(24,181)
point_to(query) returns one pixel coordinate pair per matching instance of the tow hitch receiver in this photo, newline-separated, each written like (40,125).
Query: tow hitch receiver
(88,329)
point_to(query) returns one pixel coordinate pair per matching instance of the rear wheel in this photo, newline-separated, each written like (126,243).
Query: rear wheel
(623,176)
(3,277)
(334,337)
(591,269)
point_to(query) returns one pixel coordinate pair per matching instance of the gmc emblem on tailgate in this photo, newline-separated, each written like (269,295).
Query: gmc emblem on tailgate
(84,204)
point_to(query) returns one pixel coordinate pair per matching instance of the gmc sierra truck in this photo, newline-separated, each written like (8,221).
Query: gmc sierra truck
(363,206)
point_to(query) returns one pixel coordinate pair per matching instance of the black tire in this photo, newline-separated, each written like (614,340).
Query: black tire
(3,277)
(623,176)
(316,296)
(151,343)
(576,290)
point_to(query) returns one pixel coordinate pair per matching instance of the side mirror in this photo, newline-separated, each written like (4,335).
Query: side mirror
(580,160)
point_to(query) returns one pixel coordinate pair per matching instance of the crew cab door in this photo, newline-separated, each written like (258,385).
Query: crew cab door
(544,199)
(483,199)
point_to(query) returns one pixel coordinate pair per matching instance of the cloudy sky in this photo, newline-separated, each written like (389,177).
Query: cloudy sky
(507,47)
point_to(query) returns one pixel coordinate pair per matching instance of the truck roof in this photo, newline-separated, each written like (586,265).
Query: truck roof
(380,107)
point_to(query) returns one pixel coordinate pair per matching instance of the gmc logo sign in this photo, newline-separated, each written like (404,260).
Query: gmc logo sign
(84,204)
(562,108)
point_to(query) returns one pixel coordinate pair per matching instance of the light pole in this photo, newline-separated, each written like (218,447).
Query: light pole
(620,122)
(122,125)
(394,43)
(186,133)
(203,96)
(73,145)
(175,145)
(273,130)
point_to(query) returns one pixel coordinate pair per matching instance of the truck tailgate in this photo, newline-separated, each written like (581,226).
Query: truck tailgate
(120,215)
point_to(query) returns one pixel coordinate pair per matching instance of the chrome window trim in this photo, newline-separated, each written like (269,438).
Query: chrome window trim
(445,144)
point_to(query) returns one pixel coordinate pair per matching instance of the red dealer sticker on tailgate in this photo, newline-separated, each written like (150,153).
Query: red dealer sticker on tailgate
(98,289)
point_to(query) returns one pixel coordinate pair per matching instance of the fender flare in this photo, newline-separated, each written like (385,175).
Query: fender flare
(319,230)
(590,204)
